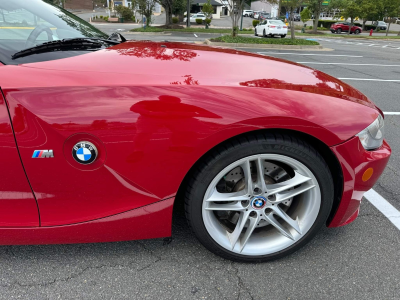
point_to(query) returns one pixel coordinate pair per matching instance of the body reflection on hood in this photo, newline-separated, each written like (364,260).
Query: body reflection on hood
(157,51)
(177,120)
(170,107)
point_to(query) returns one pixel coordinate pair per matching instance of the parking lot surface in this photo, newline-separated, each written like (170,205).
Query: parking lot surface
(358,261)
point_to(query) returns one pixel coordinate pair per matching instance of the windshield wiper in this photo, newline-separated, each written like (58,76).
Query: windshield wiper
(64,45)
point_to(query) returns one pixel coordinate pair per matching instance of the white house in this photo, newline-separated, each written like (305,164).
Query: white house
(265,6)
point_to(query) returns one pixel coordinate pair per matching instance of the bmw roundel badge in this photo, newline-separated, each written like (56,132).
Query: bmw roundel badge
(84,153)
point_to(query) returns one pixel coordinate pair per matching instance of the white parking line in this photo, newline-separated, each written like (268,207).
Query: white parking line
(387,209)
(371,79)
(308,54)
(321,63)
(391,113)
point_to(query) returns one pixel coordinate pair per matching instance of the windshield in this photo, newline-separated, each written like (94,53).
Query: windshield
(276,22)
(26,23)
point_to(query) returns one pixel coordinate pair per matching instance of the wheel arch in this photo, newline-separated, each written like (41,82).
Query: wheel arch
(323,149)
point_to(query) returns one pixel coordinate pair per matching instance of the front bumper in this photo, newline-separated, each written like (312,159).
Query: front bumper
(354,161)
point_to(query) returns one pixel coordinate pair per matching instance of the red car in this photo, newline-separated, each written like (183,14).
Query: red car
(345,27)
(102,139)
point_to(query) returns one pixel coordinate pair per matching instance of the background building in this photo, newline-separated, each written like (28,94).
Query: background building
(79,4)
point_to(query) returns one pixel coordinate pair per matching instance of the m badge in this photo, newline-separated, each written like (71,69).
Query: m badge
(43,154)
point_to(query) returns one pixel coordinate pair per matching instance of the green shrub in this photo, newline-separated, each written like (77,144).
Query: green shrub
(199,21)
(327,23)
(101,17)
(124,12)
(255,23)
(133,19)
(105,18)
(208,21)
(175,20)
(318,28)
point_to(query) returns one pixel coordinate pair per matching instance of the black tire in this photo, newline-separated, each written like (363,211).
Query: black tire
(242,147)
(264,35)
(255,32)
(357,31)
(283,36)
(339,31)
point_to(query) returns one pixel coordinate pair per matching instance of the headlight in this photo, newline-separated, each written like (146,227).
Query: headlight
(372,137)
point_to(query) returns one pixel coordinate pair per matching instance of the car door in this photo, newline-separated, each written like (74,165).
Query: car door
(260,27)
(18,207)
(346,27)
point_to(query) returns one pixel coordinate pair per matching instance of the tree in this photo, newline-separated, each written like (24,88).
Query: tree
(208,9)
(305,15)
(315,7)
(291,7)
(178,8)
(387,10)
(146,8)
(168,6)
(235,8)
(368,11)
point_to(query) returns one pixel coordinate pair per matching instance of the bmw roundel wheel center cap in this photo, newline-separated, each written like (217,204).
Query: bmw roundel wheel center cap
(258,202)
(84,153)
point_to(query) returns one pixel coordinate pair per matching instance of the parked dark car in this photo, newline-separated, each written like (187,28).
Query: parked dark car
(345,27)
(296,18)
(263,16)
(380,25)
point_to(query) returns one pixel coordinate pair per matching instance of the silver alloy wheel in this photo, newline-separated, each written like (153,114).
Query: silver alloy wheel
(266,214)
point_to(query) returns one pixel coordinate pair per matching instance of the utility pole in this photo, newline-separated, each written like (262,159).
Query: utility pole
(241,19)
(188,14)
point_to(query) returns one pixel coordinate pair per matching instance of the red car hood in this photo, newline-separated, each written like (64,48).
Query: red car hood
(166,63)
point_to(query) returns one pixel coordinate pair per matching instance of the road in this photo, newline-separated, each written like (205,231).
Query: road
(358,261)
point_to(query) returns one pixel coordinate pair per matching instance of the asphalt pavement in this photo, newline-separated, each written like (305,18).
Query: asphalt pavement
(358,261)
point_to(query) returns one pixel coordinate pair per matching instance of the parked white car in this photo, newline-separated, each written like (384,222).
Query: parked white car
(271,28)
(196,16)
(256,14)
(248,13)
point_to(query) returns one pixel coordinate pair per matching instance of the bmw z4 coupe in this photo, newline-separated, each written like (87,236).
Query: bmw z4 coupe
(101,138)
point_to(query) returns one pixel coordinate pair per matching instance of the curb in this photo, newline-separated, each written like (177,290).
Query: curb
(265,46)
(147,33)
(170,32)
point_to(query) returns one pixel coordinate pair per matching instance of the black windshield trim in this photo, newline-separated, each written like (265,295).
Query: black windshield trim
(65,45)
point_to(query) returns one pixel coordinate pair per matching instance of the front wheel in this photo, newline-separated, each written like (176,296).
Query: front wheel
(283,36)
(357,31)
(339,31)
(260,198)
(255,32)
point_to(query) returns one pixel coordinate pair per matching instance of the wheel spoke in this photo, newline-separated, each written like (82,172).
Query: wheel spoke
(280,197)
(260,175)
(274,222)
(236,196)
(252,225)
(236,206)
(288,184)
(292,223)
(234,236)
(247,176)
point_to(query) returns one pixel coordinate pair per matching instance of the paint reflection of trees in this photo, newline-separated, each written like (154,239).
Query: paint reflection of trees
(76,24)
(158,52)
(325,86)
(187,81)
